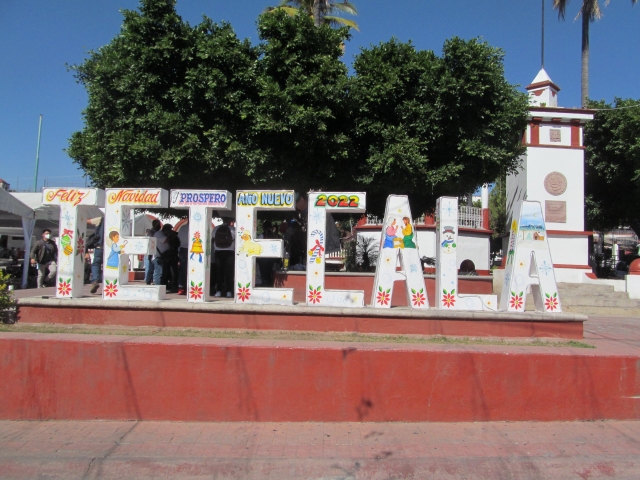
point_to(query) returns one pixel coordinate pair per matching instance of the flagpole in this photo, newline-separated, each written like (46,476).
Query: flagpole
(542,49)
(35,182)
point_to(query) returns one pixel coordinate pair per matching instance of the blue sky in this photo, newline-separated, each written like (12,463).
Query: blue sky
(39,37)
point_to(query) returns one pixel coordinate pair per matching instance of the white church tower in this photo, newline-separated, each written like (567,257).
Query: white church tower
(552,173)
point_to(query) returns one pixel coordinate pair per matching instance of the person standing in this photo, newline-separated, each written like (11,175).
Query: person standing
(148,259)
(45,254)
(265,264)
(162,245)
(183,254)
(96,241)
(170,259)
(224,246)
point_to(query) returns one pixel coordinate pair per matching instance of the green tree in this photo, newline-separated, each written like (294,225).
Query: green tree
(321,11)
(612,176)
(303,115)
(498,207)
(589,11)
(428,126)
(174,105)
(168,104)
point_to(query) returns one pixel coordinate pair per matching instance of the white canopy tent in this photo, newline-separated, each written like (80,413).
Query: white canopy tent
(48,212)
(13,206)
(27,208)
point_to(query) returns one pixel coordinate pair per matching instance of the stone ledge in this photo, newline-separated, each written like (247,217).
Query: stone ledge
(229,307)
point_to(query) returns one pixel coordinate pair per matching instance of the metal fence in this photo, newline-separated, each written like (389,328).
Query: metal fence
(339,254)
(469,217)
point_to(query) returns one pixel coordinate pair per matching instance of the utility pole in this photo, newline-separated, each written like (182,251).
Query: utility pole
(542,60)
(35,181)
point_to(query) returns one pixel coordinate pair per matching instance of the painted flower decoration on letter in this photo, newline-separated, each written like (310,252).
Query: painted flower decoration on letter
(64,287)
(111,288)
(80,249)
(195,291)
(517,300)
(551,302)
(243,292)
(418,298)
(383,296)
(315,295)
(449,298)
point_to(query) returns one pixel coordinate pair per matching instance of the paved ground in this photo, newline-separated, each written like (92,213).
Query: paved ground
(519,450)
(99,449)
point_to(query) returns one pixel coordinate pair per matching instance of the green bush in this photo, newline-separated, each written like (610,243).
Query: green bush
(7,303)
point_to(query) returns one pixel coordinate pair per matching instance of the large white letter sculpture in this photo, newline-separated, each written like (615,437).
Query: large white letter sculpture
(529,263)
(319,204)
(201,204)
(74,204)
(398,238)
(447,296)
(119,243)
(248,248)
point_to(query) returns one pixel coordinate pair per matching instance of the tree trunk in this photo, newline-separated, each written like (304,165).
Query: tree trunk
(586,19)
(317,18)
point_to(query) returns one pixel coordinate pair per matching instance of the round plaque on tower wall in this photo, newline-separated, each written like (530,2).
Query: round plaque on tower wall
(555,183)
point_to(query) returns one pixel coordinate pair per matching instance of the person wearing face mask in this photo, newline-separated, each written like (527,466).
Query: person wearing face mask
(45,254)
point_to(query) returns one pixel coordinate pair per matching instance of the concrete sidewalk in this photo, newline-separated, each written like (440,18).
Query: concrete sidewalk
(518,450)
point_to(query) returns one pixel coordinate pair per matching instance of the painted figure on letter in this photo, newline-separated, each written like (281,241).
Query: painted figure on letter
(390,239)
(407,234)
(116,250)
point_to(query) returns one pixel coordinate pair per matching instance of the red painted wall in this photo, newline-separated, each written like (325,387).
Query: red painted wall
(478,285)
(186,379)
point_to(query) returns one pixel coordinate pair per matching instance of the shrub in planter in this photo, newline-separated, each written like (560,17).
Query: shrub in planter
(7,303)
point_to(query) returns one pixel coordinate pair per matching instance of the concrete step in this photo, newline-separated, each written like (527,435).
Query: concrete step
(585,288)
(603,311)
(594,310)
(596,300)
(575,297)
(601,302)
(590,299)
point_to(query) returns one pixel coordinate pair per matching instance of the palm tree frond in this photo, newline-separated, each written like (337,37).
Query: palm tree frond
(339,21)
(593,10)
(291,11)
(561,6)
(346,7)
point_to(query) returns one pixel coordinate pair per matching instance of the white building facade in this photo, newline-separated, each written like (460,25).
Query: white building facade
(552,173)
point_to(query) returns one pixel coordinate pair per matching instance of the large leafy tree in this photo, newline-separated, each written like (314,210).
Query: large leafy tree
(174,105)
(168,104)
(322,11)
(428,126)
(612,142)
(303,115)
(589,11)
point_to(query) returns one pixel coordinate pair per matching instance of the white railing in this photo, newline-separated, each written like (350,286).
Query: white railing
(373,220)
(470,217)
(342,253)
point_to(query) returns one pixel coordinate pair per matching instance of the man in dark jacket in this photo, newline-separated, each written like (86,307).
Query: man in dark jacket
(45,253)
(97,245)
